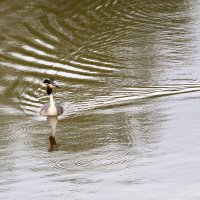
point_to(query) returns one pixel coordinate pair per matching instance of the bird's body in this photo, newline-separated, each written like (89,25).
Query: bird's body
(47,110)
(51,109)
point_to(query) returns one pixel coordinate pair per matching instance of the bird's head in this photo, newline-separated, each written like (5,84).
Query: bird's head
(50,85)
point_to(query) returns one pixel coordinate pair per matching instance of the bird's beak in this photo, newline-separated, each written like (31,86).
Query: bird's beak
(55,85)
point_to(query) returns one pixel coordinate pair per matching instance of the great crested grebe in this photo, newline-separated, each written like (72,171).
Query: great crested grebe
(51,109)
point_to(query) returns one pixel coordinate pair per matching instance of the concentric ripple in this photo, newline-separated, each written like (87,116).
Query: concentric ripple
(93,164)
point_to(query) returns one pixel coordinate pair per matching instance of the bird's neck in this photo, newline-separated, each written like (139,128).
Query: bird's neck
(49,90)
(52,103)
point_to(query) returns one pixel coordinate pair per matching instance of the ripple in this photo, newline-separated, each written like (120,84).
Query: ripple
(25,157)
(43,38)
(18,130)
(50,27)
(104,63)
(44,44)
(92,66)
(37,51)
(49,72)
(47,63)
(95,162)
(37,44)
(130,95)
(12,138)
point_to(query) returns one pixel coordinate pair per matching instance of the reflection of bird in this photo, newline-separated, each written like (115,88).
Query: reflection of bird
(51,109)
(53,120)
(53,144)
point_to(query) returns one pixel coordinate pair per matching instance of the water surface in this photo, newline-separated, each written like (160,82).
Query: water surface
(129,77)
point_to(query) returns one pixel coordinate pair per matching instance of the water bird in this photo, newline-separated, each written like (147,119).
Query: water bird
(51,109)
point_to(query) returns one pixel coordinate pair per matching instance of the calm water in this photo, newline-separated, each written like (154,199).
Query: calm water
(130,78)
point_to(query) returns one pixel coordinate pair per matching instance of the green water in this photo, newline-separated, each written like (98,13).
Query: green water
(130,87)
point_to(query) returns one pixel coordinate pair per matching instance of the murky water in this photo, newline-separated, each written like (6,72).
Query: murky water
(130,87)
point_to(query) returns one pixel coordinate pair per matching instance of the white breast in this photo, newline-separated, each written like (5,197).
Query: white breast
(52,110)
